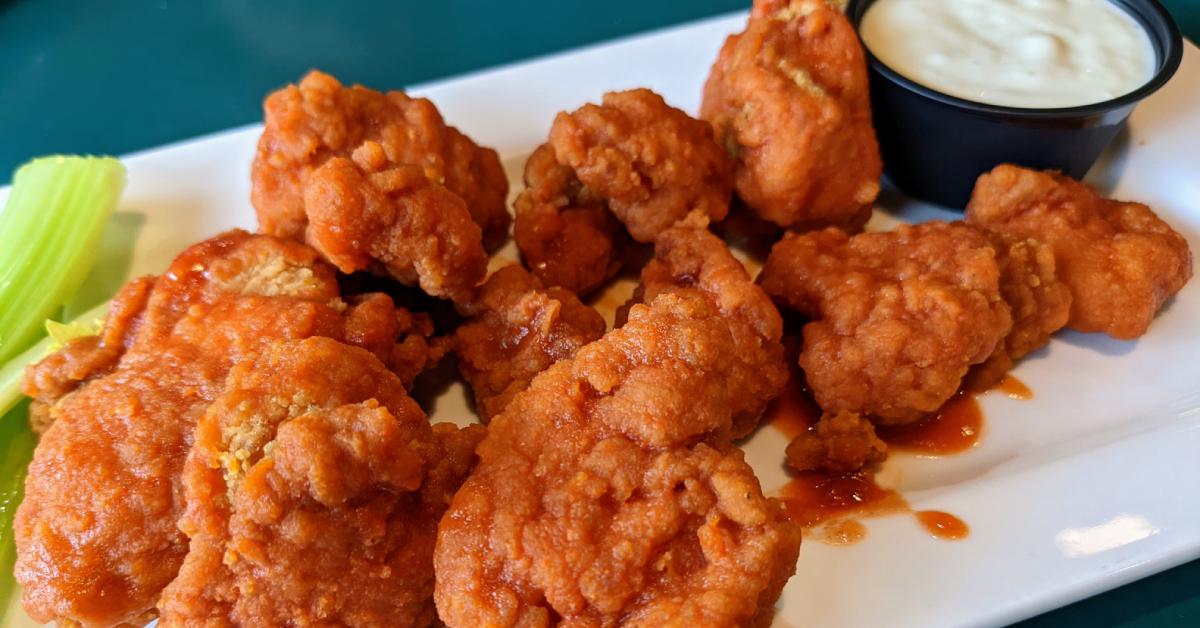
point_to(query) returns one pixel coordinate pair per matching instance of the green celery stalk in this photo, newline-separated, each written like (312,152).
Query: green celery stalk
(49,232)
(16,450)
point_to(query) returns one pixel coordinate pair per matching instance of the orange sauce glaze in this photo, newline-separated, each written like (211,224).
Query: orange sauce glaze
(953,429)
(830,506)
(1014,388)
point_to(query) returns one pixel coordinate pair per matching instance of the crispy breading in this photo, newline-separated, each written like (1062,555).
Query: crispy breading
(1120,261)
(608,493)
(633,155)
(840,443)
(313,493)
(897,318)
(366,215)
(565,233)
(517,329)
(788,97)
(689,257)
(96,536)
(652,163)
(309,123)
(1039,301)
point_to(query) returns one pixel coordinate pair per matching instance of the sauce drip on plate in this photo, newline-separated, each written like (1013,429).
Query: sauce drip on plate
(831,506)
(953,429)
(1014,388)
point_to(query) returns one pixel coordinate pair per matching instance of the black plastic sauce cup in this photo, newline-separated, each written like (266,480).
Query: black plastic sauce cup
(934,145)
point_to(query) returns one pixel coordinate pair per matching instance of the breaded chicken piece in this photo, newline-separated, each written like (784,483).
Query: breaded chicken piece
(1120,261)
(1039,301)
(564,231)
(313,493)
(310,123)
(607,492)
(788,97)
(517,329)
(897,317)
(652,163)
(367,215)
(689,257)
(647,163)
(95,535)
(840,443)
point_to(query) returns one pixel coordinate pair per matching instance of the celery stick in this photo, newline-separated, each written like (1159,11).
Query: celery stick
(49,231)
(16,450)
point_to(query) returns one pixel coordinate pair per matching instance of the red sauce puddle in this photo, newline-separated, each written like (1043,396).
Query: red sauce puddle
(830,507)
(953,429)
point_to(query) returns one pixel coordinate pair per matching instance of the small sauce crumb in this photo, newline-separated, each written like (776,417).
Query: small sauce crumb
(943,525)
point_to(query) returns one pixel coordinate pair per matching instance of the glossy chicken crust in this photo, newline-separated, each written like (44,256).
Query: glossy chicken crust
(517,329)
(564,231)
(309,123)
(1039,300)
(839,443)
(607,493)
(1120,261)
(313,493)
(95,535)
(634,156)
(789,99)
(366,215)
(897,317)
(688,257)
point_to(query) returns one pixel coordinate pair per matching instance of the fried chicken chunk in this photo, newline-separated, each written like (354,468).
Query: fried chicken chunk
(788,98)
(566,235)
(1120,261)
(840,443)
(518,328)
(313,493)
(310,123)
(689,257)
(607,492)
(647,163)
(897,317)
(95,535)
(366,215)
(1039,301)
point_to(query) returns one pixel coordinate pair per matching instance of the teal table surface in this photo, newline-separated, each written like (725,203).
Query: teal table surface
(115,76)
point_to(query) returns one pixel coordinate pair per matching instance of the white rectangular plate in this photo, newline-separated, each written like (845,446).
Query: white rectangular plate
(1087,486)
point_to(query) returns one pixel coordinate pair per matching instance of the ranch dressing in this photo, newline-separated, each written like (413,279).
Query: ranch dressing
(1016,53)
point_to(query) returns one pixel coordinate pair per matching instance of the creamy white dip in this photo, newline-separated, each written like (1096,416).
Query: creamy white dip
(1015,53)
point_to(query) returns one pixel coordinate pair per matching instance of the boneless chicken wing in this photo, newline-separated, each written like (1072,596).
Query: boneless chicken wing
(634,156)
(897,318)
(788,98)
(365,215)
(1039,300)
(688,257)
(607,492)
(1120,261)
(517,329)
(95,535)
(313,493)
(310,123)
